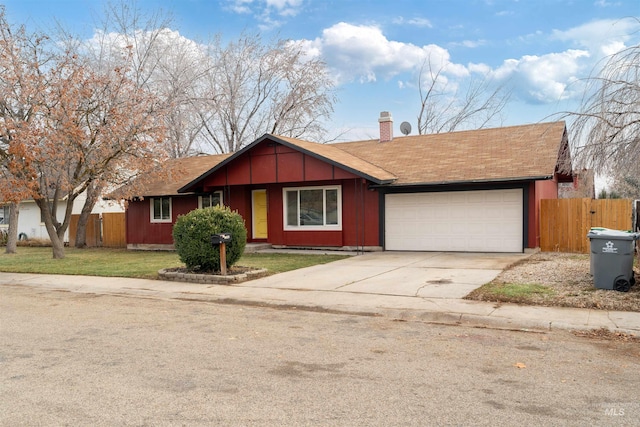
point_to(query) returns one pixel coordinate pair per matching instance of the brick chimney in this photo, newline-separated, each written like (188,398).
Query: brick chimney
(386,126)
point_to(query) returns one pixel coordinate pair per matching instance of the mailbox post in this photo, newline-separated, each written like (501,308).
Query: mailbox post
(221,240)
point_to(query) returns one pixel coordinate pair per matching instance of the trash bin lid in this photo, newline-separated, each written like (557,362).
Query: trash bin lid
(608,233)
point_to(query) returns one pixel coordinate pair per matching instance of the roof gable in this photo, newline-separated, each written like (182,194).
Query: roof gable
(324,152)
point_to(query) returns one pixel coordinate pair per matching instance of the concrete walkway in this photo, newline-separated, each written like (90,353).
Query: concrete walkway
(400,285)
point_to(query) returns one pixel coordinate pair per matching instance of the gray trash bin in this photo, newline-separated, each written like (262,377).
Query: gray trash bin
(612,258)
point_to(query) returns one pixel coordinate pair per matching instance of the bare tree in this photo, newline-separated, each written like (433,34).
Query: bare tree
(253,88)
(475,106)
(606,130)
(161,61)
(158,61)
(219,96)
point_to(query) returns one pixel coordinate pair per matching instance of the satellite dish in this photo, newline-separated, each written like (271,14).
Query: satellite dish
(405,128)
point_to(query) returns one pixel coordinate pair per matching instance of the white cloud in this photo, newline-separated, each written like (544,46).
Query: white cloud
(600,37)
(267,11)
(545,78)
(240,6)
(470,43)
(362,52)
(416,22)
(605,3)
(284,7)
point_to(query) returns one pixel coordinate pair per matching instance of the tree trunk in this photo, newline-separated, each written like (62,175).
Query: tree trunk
(54,229)
(12,238)
(93,191)
(58,246)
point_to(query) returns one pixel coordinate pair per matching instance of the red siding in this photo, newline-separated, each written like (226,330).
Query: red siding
(263,169)
(342,174)
(238,198)
(267,163)
(317,170)
(360,219)
(537,191)
(273,166)
(141,230)
(290,167)
(240,172)
(218,179)
(360,214)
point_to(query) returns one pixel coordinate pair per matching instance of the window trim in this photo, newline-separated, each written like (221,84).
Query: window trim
(5,219)
(151,208)
(325,227)
(219,192)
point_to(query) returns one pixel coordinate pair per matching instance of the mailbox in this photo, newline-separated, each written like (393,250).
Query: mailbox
(216,239)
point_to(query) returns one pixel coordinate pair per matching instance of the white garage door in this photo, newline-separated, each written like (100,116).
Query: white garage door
(459,221)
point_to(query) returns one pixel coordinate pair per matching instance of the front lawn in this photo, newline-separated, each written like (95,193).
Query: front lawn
(141,264)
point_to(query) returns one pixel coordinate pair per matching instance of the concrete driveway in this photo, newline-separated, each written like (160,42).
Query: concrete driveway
(418,274)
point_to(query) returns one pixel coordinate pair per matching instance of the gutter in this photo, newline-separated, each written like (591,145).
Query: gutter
(472,181)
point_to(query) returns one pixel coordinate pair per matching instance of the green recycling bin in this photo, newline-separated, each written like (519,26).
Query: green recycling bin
(612,258)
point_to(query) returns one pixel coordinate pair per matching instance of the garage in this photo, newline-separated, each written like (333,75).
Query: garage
(456,221)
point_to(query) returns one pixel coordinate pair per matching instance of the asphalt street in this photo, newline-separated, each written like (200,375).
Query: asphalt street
(82,359)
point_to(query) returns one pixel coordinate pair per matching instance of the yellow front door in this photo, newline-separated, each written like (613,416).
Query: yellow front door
(259,209)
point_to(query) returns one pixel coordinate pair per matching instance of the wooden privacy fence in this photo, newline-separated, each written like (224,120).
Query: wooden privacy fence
(109,232)
(93,230)
(564,223)
(114,230)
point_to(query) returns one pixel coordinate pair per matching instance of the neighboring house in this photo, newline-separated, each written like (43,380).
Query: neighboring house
(582,186)
(31,225)
(463,191)
(30,222)
(101,206)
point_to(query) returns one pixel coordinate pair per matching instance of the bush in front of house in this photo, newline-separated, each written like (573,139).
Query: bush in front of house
(192,237)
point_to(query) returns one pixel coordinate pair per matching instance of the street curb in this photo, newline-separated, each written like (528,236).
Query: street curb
(398,314)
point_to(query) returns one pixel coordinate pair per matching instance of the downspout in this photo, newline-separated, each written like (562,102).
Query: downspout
(355,204)
(362,198)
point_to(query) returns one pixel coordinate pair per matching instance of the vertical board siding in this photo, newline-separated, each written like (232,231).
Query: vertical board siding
(114,230)
(564,223)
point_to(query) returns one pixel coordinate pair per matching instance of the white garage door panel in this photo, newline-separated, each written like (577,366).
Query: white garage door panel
(462,221)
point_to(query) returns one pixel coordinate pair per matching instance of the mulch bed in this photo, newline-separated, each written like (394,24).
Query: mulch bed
(568,278)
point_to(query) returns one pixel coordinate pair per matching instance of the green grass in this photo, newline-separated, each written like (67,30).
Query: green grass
(513,292)
(141,264)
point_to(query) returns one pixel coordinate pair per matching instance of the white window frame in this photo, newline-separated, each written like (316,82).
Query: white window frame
(6,209)
(161,220)
(219,193)
(325,227)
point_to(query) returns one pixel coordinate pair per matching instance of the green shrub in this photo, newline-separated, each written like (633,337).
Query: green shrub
(192,237)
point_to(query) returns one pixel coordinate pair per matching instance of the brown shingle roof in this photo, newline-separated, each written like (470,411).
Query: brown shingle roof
(181,172)
(508,153)
(500,154)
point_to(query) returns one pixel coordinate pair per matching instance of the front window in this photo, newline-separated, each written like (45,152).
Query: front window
(313,208)
(210,200)
(161,209)
(4,215)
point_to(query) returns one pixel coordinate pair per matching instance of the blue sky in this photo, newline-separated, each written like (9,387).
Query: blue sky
(541,49)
